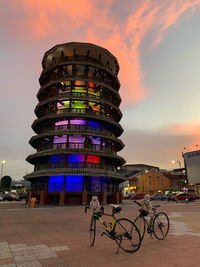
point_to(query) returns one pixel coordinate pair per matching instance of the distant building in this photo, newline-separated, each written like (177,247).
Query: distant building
(129,170)
(23,186)
(192,166)
(149,181)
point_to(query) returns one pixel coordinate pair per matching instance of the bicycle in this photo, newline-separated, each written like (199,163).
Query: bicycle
(158,224)
(123,231)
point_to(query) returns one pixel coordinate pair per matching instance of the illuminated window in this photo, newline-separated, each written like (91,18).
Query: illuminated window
(78,122)
(96,183)
(93,159)
(76,139)
(62,104)
(92,85)
(75,158)
(58,158)
(56,183)
(61,123)
(66,83)
(60,139)
(78,104)
(92,123)
(74,183)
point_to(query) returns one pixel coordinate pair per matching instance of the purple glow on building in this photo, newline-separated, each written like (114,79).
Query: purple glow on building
(76,139)
(60,139)
(78,122)
(61,123)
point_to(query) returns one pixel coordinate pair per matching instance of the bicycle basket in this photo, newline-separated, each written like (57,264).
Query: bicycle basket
(144,212)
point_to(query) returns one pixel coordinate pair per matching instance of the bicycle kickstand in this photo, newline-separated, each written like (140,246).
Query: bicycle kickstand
(118,246)
(103,233)
(151,236)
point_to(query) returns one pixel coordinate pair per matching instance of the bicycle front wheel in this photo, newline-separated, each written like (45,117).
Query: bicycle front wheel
(92,231)
(160,225)
(127,235)
(141,225)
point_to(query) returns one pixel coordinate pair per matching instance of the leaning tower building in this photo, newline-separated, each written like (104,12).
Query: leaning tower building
(77,127)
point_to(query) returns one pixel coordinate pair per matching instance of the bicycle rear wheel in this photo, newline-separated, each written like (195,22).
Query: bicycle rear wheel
(141,225)
(92,231)
(160,225)
(127,235)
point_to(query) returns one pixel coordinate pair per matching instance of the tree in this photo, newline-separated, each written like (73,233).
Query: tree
(6,182)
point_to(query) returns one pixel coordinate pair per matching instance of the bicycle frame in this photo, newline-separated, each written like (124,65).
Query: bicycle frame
(110,229)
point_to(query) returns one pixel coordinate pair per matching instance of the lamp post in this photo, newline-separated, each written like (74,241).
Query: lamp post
(2,163)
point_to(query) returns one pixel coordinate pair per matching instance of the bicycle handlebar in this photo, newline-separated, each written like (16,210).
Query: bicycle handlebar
(138,203)
(101,209)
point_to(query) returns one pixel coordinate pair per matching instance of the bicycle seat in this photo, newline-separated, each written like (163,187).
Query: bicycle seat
(115,206)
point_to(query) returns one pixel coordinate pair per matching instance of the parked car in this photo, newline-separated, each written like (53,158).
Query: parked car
(183,197)
(1,198)
(158,197)
(129,195)
(15,197)
(7,197)
(137,196)
(23,195)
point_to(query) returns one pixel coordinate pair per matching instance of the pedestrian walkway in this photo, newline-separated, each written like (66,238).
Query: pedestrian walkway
(59,236)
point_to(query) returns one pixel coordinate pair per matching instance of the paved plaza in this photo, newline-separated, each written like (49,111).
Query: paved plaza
(59,236)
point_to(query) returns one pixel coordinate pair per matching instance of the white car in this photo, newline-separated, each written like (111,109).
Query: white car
(1,198)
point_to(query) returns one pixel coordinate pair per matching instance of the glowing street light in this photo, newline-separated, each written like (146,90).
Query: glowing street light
(2,163)
(174,161)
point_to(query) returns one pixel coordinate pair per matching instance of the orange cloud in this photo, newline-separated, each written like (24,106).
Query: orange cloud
(191,128)
(95,21)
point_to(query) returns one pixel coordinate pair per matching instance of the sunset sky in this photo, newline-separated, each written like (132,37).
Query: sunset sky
(157,44)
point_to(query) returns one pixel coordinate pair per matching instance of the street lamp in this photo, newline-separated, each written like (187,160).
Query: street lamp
(2,163)
(174,161)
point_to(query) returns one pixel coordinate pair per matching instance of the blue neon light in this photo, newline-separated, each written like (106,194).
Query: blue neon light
(92,123)
(74,183)
(56,183)
(58,158)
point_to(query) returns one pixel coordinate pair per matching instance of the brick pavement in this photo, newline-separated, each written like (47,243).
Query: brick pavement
(59,236)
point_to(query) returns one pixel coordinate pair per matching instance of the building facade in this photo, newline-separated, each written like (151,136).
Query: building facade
(150,182)
(77,127)
(192,167)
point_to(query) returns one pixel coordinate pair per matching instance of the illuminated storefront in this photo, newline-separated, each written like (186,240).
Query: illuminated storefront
(77,127)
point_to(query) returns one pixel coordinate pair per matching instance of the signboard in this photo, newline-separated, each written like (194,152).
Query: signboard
(192,164)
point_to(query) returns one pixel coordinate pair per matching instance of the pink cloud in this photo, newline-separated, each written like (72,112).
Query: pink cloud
(94,21)
(191,128)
